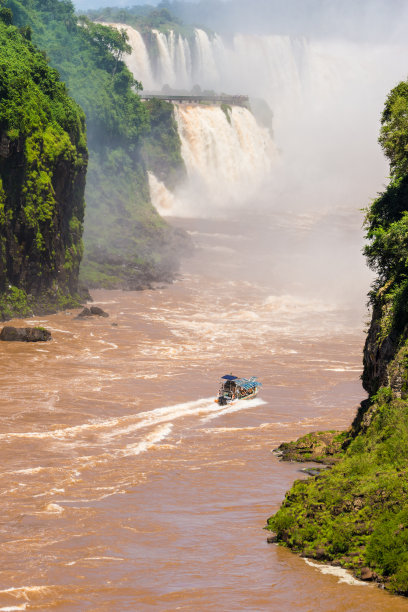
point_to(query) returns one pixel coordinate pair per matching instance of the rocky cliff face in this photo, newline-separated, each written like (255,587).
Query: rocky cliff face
(42,249)
(43,160)
(356,514)
(385,358)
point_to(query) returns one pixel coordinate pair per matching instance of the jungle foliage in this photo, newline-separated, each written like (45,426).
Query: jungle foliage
(142,18)
(43,160)
(356,513)
(387,218)
(126,242)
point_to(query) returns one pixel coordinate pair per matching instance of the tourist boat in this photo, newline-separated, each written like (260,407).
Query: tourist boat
(234,388)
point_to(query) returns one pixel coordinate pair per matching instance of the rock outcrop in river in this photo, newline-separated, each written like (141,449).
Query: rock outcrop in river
(356,513)
(24,334)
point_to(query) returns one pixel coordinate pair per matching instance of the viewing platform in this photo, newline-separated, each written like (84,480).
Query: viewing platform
(199,99)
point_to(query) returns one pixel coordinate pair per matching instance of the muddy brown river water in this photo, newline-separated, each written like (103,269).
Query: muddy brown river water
(125,487)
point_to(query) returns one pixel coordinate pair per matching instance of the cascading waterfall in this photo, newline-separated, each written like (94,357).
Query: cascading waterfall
(306,83)
(278,68)
(228,157)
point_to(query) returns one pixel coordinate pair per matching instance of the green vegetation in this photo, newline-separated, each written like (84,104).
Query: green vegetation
(320,447)
(355,514)
(162,146)
(227,110)
(43,160)
(387,218)
(126,243)
(144,19)
(338,516)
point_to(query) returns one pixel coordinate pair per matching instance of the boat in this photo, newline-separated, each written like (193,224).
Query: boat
(234,388)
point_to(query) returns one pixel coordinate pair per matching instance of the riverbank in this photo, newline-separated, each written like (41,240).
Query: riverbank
(354,514)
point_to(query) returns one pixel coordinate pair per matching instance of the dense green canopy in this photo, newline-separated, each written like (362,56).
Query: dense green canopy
(43,160)
(126,241)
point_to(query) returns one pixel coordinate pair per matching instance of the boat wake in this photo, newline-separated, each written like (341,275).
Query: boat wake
(234,407)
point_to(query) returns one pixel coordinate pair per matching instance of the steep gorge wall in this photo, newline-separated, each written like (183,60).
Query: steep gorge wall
(126,243)
(356,514)
(43,160)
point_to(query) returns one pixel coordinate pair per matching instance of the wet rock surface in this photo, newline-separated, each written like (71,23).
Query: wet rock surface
(91,312)
(95,310)
(320,447)
(24,334)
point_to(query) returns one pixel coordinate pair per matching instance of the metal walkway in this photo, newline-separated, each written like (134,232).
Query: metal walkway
(199,99)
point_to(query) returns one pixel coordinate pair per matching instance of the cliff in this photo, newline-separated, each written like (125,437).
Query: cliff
(355,514)
(43,160)
(126,243)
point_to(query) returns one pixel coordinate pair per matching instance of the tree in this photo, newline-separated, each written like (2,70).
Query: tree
(108,39)
(394,132)
(6,14)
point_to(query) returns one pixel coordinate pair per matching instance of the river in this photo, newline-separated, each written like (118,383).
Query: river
(125,487)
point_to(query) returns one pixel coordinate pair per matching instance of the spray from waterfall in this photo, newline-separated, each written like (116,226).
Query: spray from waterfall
(323,162)
(326,96)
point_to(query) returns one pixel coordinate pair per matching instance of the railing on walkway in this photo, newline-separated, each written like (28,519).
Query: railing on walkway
(199,99)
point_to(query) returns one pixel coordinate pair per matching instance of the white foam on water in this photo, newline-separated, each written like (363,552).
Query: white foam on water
(342,574)
(350,369)
(12,608)
(25,591)
(95,559)
(236,407)
(27,471)
(218,430)
(109,345)
(113,428)
(53,509)
(150,440)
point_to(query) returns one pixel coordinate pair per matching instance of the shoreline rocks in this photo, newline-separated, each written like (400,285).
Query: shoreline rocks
(91,312)
(24,334)
(319,447)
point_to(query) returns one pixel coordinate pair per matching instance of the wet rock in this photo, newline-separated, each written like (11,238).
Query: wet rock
(366,574)
(24,334)
(90,312)
(272,538)
(314,471)
(320,447)
(84,313)
(95,310)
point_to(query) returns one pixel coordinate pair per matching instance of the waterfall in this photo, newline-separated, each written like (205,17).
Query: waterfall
(326,96)
(283,70)
(228,158)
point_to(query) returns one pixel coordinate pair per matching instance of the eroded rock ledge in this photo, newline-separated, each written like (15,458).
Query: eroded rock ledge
(319,447)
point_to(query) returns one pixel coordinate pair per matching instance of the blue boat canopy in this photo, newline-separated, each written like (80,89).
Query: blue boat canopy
(243,383)
(247,383)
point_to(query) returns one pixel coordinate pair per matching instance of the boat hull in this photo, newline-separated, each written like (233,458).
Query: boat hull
(225,400)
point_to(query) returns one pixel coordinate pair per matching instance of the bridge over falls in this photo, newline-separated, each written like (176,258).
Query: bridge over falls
(199,99)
